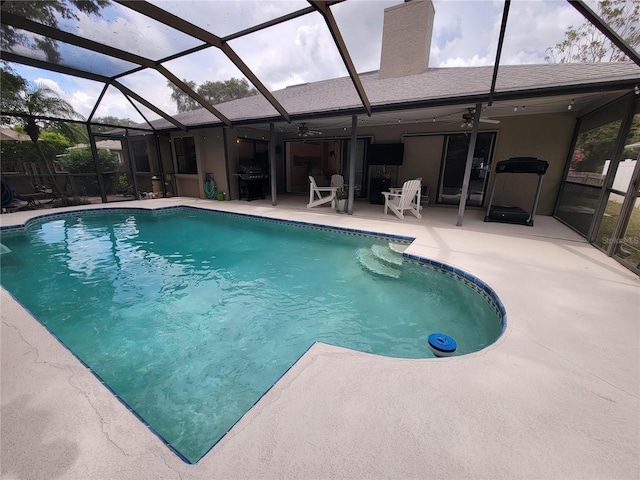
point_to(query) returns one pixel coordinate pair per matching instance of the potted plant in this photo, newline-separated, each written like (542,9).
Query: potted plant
(342,194)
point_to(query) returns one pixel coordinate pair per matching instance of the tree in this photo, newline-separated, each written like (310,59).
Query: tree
(32,101)
(112,121)
(184,102)
(213,92)
(11,84)
(16,156)
(46,12)
(232,89)
(78,161)
(586,44)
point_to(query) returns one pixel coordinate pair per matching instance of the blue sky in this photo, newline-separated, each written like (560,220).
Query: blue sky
(302,50)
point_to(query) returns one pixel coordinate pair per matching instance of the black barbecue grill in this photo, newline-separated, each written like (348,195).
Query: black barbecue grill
(251,181)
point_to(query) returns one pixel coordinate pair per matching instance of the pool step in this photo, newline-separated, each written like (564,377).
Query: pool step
(369,261)
(398,247)
(384,253)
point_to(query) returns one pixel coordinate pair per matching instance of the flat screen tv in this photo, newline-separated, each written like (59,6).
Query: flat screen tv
(385,153)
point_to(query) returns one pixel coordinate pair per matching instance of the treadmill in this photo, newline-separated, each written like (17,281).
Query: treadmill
(509,214)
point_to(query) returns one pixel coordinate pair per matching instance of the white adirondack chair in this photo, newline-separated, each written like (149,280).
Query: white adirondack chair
(315,191)
(404,200)
(337,180)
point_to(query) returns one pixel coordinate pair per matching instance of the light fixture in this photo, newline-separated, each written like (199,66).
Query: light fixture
(434,119)
(515,109)
(636,90)
(570,106)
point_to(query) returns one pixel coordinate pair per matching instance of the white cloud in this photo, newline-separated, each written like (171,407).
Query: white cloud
(51,85)
(533,27)
(475,61)
(302,50)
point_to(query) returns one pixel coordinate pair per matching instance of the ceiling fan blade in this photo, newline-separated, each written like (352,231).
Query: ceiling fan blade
(489,120)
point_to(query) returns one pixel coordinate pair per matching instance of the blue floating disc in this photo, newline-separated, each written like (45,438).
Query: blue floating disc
(442,345)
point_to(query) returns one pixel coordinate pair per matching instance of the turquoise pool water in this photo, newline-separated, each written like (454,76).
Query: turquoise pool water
(191,316)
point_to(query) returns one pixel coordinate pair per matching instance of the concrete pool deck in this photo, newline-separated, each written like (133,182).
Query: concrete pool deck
(557,396)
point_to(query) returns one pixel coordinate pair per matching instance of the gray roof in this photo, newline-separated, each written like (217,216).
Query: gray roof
(339,94)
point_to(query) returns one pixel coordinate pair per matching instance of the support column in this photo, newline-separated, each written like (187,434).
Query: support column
(272,164)
(467,168)
(96,163)
(352,164)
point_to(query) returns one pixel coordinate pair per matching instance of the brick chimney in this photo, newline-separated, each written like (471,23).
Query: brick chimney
(406,38)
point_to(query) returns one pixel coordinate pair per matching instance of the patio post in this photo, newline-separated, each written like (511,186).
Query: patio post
(352,163)
(272,164)
(467,169)
(96,163)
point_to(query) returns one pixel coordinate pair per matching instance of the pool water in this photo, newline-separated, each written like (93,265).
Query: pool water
(190,316)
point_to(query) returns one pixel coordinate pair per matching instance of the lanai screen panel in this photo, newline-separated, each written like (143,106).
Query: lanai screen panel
(223,18)
(114,25)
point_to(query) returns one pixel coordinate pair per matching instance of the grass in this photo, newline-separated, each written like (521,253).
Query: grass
(630,243)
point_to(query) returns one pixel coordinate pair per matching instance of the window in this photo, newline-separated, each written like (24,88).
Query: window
(186,155)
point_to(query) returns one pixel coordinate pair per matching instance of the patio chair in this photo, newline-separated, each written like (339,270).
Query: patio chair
(315,191)
(337,180)
(24,190)
(407,199)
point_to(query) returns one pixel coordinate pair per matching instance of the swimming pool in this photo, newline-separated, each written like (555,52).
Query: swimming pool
(189,316)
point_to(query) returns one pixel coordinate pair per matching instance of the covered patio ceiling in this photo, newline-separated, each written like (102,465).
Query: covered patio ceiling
(82,53)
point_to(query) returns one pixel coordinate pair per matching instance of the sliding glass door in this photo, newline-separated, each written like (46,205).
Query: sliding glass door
(454,162)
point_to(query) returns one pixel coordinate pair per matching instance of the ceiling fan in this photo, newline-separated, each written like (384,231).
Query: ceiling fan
(304,131)
(467,119)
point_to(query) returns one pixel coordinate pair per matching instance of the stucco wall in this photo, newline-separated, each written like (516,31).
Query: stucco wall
(547,137)
(209,145)
(233,155)
(210,152)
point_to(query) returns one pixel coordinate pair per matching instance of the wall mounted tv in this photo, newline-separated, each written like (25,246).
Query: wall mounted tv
(385,153)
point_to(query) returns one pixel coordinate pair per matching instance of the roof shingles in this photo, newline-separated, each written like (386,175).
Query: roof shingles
(339,94)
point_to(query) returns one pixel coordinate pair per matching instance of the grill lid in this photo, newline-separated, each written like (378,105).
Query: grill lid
(250,167)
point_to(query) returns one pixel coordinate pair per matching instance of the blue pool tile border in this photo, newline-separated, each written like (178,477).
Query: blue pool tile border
(471,280)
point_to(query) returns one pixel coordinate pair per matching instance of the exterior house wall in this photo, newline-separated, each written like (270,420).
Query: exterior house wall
(547,137)
(233,189)
(186,184)
(422,158)
(209,145)
(210,154)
